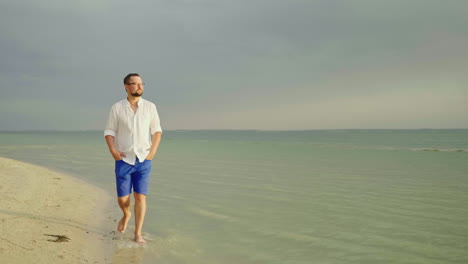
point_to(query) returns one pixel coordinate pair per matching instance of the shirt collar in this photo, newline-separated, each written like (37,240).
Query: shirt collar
(138,103)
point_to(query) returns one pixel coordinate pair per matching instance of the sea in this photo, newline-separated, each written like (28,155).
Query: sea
(283,197)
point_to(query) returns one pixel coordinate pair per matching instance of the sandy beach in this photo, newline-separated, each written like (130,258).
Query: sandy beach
(48,217)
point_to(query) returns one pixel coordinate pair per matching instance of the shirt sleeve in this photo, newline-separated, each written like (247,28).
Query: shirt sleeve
(111,125)
(155,122)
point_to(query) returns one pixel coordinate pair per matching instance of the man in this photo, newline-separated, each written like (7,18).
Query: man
(133,133)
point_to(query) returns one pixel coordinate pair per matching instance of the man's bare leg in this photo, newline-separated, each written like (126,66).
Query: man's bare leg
(124,203)
(140,211)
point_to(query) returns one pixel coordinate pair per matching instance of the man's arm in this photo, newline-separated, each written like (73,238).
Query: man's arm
(156,138)
(113,150)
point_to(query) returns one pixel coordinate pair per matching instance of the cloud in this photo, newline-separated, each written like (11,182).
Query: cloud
(202,56)
(49,115)
(379,111)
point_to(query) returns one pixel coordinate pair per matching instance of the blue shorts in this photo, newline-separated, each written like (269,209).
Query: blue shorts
(137,175)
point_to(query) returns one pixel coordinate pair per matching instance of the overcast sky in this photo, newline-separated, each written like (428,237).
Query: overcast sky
(236,64)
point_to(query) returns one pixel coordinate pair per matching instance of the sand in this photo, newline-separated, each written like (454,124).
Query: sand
(36,202)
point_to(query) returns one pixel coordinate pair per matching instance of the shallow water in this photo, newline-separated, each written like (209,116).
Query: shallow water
(341,196)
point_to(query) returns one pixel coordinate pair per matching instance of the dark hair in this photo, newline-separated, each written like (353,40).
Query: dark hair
(129,76)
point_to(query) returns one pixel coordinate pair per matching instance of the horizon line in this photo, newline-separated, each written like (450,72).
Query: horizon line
(260,130)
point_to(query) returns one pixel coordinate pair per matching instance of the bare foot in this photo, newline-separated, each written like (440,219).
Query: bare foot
(123,223)
(139,239)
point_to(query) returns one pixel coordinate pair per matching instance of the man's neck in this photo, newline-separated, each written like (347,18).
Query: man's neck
(133,100)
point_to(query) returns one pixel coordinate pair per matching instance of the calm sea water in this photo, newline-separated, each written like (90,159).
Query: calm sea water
(338,196)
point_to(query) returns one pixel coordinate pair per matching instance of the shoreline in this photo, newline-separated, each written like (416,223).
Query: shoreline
(49,217)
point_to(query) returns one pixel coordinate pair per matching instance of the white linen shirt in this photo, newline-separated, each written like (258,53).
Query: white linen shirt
(133,130)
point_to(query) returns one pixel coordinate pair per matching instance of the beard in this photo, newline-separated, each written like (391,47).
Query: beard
(137,94)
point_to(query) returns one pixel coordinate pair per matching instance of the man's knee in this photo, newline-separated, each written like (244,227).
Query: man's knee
(124,199)
(139,197)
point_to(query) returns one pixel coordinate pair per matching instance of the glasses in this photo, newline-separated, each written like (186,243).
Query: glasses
(142,84)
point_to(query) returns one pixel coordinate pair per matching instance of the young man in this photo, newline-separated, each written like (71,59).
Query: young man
(133,133)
